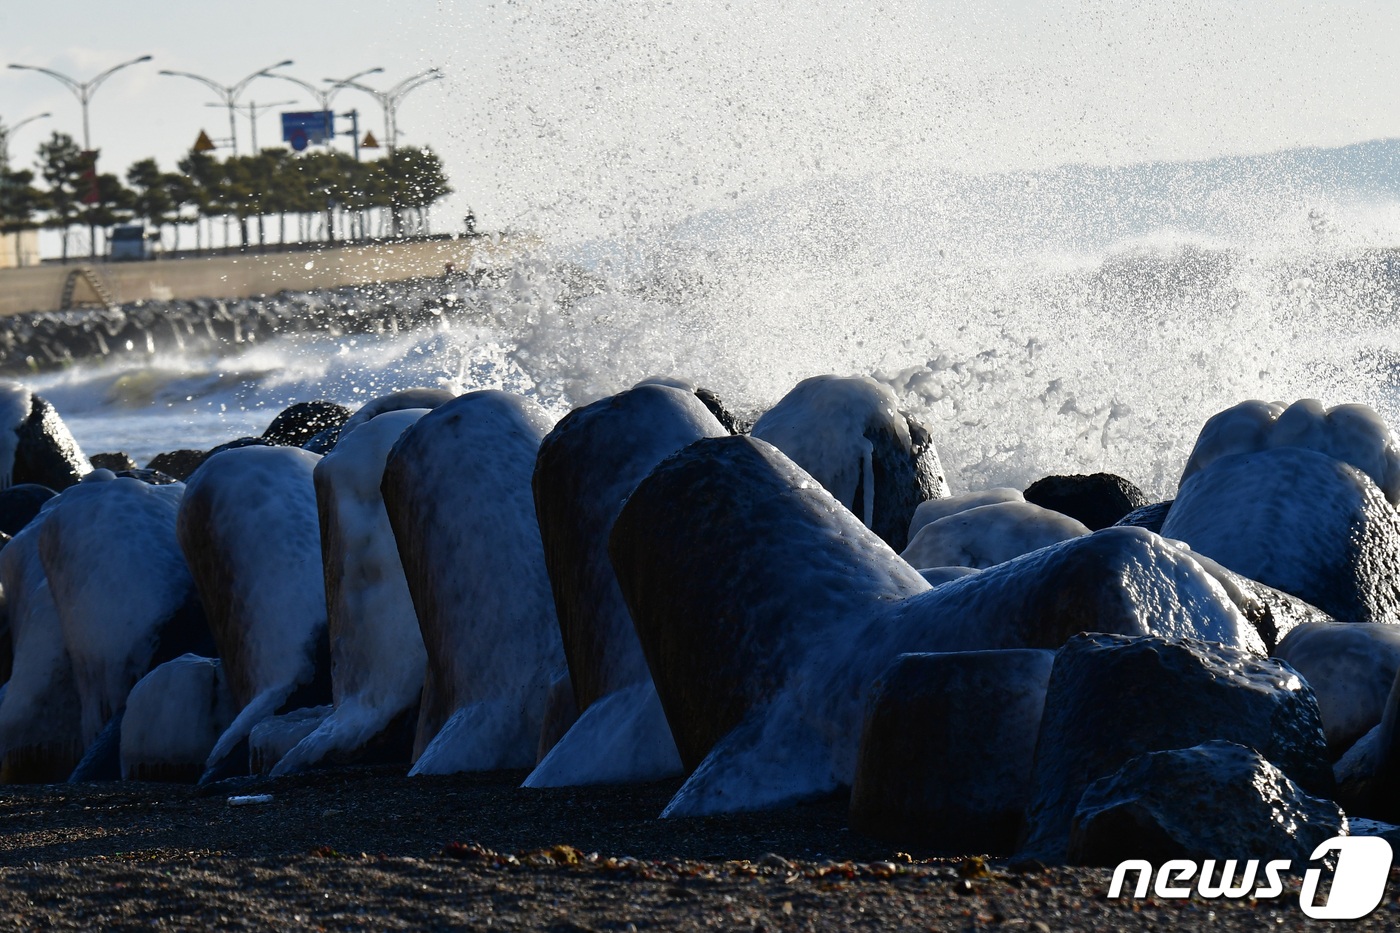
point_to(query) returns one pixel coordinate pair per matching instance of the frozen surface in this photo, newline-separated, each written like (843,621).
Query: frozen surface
(377,654)
(1351,668)
(803,742)
(249,530)
(986,535)
(821,426)
(1354,434)
(41,705)
(418,398)
(1299,521)
(457,491)
(621,737)
(174,715)
(275,736)
(934,509)
(117,575)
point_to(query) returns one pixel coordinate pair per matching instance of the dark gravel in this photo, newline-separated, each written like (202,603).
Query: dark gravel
(368,848)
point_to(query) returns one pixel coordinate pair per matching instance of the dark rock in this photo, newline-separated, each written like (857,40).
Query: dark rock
(1150,516)
(114,462)
(876,445)
(179,464)
(1350,667)
(1098,500)
(297,425)
(724,416)
(560,712)
(1112,698)
(1217,800)
(47,453)
(1273,613)
(946,749)
(1298,521)
(397,401)
(19,505)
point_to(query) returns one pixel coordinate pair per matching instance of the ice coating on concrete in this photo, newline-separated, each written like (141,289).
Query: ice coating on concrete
(249,529)
(457,490)
(821,425)
(934,509)
(174,715)
(1297,520)
(41,706)
(423,398)
(1351,668)
(377,653)
(1353,434)
(937,576)
(621,737)
(15,403)
(273,737)
(804,741)
(987,535)
(117,575)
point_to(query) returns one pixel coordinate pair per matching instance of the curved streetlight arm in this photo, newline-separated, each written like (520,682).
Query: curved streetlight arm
(377,95)
(316,92)
(218,88)
(10,130)
(238,88)
(96,82)
(403,91)
(68,82)
(398,90)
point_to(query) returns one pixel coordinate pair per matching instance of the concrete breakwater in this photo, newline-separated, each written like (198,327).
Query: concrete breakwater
(51,287)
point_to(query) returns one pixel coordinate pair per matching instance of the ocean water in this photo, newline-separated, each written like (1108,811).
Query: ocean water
(749,212)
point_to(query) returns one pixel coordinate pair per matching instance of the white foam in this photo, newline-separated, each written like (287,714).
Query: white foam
(117,575)
(986,535)
(1353,434)
(377,653)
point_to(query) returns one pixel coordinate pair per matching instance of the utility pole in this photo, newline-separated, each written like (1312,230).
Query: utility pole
(230,93)
(391,98)
(83,90)
(324,96)
(354,133)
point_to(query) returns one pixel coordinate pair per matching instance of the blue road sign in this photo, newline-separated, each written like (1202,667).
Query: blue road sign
(304,129)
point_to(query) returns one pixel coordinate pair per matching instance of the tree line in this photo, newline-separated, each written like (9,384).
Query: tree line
(323,192)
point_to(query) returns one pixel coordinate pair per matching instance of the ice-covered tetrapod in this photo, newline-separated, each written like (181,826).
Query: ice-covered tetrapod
(587,467)
(249,531)
(457,490)
(121,607)
(849,434)
(40,716)
(765,609)
(986,535)
(1301,500)
(377,654)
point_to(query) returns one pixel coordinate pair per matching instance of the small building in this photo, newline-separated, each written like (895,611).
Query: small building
(19,248)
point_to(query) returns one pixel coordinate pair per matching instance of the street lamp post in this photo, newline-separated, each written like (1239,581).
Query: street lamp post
(256,110)
(391,98)
(324,96)
(230,93)
(83,90)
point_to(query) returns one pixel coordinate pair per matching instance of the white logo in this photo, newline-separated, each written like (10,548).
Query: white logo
(1358,884)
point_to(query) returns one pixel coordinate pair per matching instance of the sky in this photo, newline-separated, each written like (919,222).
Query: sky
(580,116)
